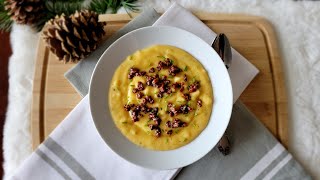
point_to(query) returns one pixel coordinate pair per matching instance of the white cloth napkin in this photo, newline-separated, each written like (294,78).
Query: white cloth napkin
(75,150)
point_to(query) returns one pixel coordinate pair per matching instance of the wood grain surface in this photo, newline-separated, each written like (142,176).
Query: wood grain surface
(253,37)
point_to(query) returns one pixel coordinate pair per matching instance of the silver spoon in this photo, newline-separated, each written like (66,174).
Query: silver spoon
(222,46)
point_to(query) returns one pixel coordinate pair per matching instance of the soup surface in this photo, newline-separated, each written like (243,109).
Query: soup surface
(160,97)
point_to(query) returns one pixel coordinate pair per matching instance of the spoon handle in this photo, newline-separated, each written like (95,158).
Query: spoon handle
(222,46)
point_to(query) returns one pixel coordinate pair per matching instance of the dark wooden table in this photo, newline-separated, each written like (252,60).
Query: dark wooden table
(5,52)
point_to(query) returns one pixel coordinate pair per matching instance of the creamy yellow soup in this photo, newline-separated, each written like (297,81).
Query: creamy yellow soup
(160,97)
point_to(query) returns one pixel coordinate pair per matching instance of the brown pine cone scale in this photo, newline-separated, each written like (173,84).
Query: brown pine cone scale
(25,11)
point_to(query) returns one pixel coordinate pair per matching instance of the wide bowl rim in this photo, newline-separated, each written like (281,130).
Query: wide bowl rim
(95,114)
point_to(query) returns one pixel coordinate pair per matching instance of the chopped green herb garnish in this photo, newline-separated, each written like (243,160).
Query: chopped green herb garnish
(167,141)
(161,109)
(171,61)
(195,125)
(176,131)
(149,120)
(196,112)
(167,96)
(185,68)
(193,79)
(162,130)
(148,132)
(185,139)
(132,85)
(162,57)
(188,103)
(149,64)
(170,76)
(124,122)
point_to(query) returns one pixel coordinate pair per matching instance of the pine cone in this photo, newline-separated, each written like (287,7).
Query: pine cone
(75,37)
(25,11)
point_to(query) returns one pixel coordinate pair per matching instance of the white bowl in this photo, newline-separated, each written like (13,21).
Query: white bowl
(99,89)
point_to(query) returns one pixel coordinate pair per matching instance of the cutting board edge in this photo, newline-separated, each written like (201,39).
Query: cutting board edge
(37,97)
(278,79)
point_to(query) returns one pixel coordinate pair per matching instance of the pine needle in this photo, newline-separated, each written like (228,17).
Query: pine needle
(5,20)
(128,4)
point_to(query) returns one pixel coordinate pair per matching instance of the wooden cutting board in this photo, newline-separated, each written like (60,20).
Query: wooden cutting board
(253,37)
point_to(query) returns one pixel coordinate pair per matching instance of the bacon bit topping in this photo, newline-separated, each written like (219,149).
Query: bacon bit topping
(194,86)
(187,97)
(176,123)
(152,70)
(139,95)
(140,86)
(185,78)
(173,70)
(199,103)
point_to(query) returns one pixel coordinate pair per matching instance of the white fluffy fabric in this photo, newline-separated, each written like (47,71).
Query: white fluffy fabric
(17,136)
(297,26)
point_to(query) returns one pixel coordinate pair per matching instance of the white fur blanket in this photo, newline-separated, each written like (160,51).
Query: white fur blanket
(297,26)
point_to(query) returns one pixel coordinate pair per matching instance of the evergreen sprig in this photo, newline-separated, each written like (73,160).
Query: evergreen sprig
(58,7)
(129,5)
(101,6)
(63,7)
(5,20)
(54,8)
